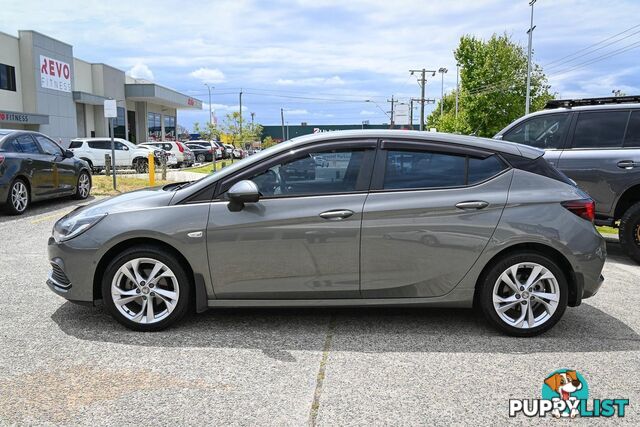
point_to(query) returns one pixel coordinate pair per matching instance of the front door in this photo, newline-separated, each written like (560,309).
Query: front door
(302,239)
(430,214)
(37,165)
(62,168)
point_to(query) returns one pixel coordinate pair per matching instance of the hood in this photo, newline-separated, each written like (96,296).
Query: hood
(134,200)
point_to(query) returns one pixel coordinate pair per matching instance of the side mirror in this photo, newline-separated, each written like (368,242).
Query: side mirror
(68,154)
(243,192)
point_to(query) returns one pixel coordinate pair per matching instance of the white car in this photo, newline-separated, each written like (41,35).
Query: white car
(127,154)
(183,154)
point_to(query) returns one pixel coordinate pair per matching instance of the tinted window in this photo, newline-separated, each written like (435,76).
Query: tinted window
(632,139)
(119,145)
(545,131)
(482,169)
(27,144)
(11,146)
(600,129)
(423,169)
(75,144)
(336,173)
(48,146)
(100,145)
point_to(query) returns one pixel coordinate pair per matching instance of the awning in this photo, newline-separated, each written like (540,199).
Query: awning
(149,92)
(88,98)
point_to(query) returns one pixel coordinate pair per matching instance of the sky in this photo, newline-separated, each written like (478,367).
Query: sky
(331,61)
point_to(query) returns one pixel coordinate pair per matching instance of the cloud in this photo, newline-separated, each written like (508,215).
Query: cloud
(312,81)
(297,112)
(367,113)
(208,75)
(140,71)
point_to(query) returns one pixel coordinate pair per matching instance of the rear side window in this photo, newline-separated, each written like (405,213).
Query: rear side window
(75,144)
(602,129)
(100,145)
(632,138)
(425,169)
(27,144)
(545,131)
(539,166)
(11,146)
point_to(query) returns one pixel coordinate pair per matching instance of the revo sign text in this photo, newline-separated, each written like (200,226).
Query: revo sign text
(55,74)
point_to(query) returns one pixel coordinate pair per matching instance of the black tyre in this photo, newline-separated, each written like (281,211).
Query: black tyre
(146,289)
(518,304)
(629,232)
(18,198)
(141,165)
(83,186)
(201,158)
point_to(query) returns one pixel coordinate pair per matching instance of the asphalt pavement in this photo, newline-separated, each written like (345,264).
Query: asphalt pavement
(72,365)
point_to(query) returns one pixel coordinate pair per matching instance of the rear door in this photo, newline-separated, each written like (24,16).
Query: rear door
(597,158)
(431,212)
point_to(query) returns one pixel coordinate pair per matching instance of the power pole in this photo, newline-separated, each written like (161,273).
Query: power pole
(530,32)
(411,113)
(282,119)
(442,71)
(392,101)
(457,87)
(252,117)
(422,81)
(240,121)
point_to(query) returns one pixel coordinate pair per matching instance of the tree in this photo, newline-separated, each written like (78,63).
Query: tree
(493,85)
(209,133)
(268,142)
(239,136)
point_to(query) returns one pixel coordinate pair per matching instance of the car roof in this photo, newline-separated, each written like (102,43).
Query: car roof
(5,133)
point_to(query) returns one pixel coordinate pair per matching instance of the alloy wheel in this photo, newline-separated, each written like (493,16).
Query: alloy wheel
(19,196)
(145,290)
(84,185)
(201,158)
(526,295)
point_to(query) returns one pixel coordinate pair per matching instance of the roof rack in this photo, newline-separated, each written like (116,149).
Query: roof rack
(568,103)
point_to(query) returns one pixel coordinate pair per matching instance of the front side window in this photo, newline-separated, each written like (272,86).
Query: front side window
(603,129)
(48,146)
(545,131)
(425,169)
(27,144)
(100,145)
(323,172)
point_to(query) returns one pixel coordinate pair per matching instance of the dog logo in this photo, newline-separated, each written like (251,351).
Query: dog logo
(566,385)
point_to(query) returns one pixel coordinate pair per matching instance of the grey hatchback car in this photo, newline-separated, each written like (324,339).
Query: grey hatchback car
(394,218)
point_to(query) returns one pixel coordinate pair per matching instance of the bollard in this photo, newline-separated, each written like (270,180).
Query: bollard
(152,170)
(107,165)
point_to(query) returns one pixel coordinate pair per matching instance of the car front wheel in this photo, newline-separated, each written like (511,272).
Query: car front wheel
(145,289)
(524,294)
(629,232)
(18,197)
(83,187)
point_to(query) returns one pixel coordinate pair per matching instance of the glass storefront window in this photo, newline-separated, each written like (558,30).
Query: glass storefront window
(154,131)
(119,127)
(169,128)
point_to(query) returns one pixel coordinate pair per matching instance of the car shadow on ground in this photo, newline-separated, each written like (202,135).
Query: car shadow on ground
(616,254)
(278,331)
(46,206)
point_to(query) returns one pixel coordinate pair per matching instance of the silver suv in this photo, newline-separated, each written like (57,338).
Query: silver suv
(396,218)
(596,142)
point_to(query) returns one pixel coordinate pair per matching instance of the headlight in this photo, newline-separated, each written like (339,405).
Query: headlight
(71,225)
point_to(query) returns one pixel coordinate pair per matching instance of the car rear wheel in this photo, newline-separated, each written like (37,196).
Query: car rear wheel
(18,198)
(524,294)
(83,188)
(146,289)
(629,232)
(200,158)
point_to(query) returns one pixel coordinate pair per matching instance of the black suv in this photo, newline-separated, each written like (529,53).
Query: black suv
(596,142)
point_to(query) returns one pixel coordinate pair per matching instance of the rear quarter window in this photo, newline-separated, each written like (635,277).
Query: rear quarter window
(75,144)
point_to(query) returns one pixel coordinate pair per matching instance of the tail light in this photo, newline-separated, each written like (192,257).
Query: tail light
(180,147)
(584,208)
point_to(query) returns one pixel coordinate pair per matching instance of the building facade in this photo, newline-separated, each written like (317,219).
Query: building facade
(44,88)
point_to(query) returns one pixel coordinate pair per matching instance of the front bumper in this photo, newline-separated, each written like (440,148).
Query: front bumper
(72,272)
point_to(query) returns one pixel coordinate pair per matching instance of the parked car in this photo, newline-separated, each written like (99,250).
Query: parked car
(202,153)
(127,154)
(596,142)
(525,246)
(34,167)
(160,155)
(183,154)
(228,151)
(221,149)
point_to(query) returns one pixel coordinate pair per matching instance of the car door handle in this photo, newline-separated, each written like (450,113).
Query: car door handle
(337,214)
(627,164)
(29,161)
(476,204)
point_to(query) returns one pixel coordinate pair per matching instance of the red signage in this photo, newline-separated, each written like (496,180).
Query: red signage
(55,74)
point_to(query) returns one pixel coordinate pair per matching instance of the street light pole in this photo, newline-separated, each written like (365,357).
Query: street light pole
(530,32)
(210,124)
(442,71)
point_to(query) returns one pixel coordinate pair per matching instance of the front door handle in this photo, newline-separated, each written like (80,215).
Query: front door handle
(337,214)
(476,204)
(627,164)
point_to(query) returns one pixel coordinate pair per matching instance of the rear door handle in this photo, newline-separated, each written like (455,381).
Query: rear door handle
(476,204)
(627,164)
(337,214)
(29,161)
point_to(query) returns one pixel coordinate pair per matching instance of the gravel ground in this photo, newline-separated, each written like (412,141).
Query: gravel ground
(70,365)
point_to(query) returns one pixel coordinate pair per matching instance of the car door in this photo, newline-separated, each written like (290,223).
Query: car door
(301,240)
(99,149)
(597,160)
(123,155)
(63,168)
(431,211)
(545,131)
(37,165)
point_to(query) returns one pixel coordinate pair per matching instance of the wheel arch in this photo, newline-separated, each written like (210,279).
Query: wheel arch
(129,243)
(630,197)
(542,249)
